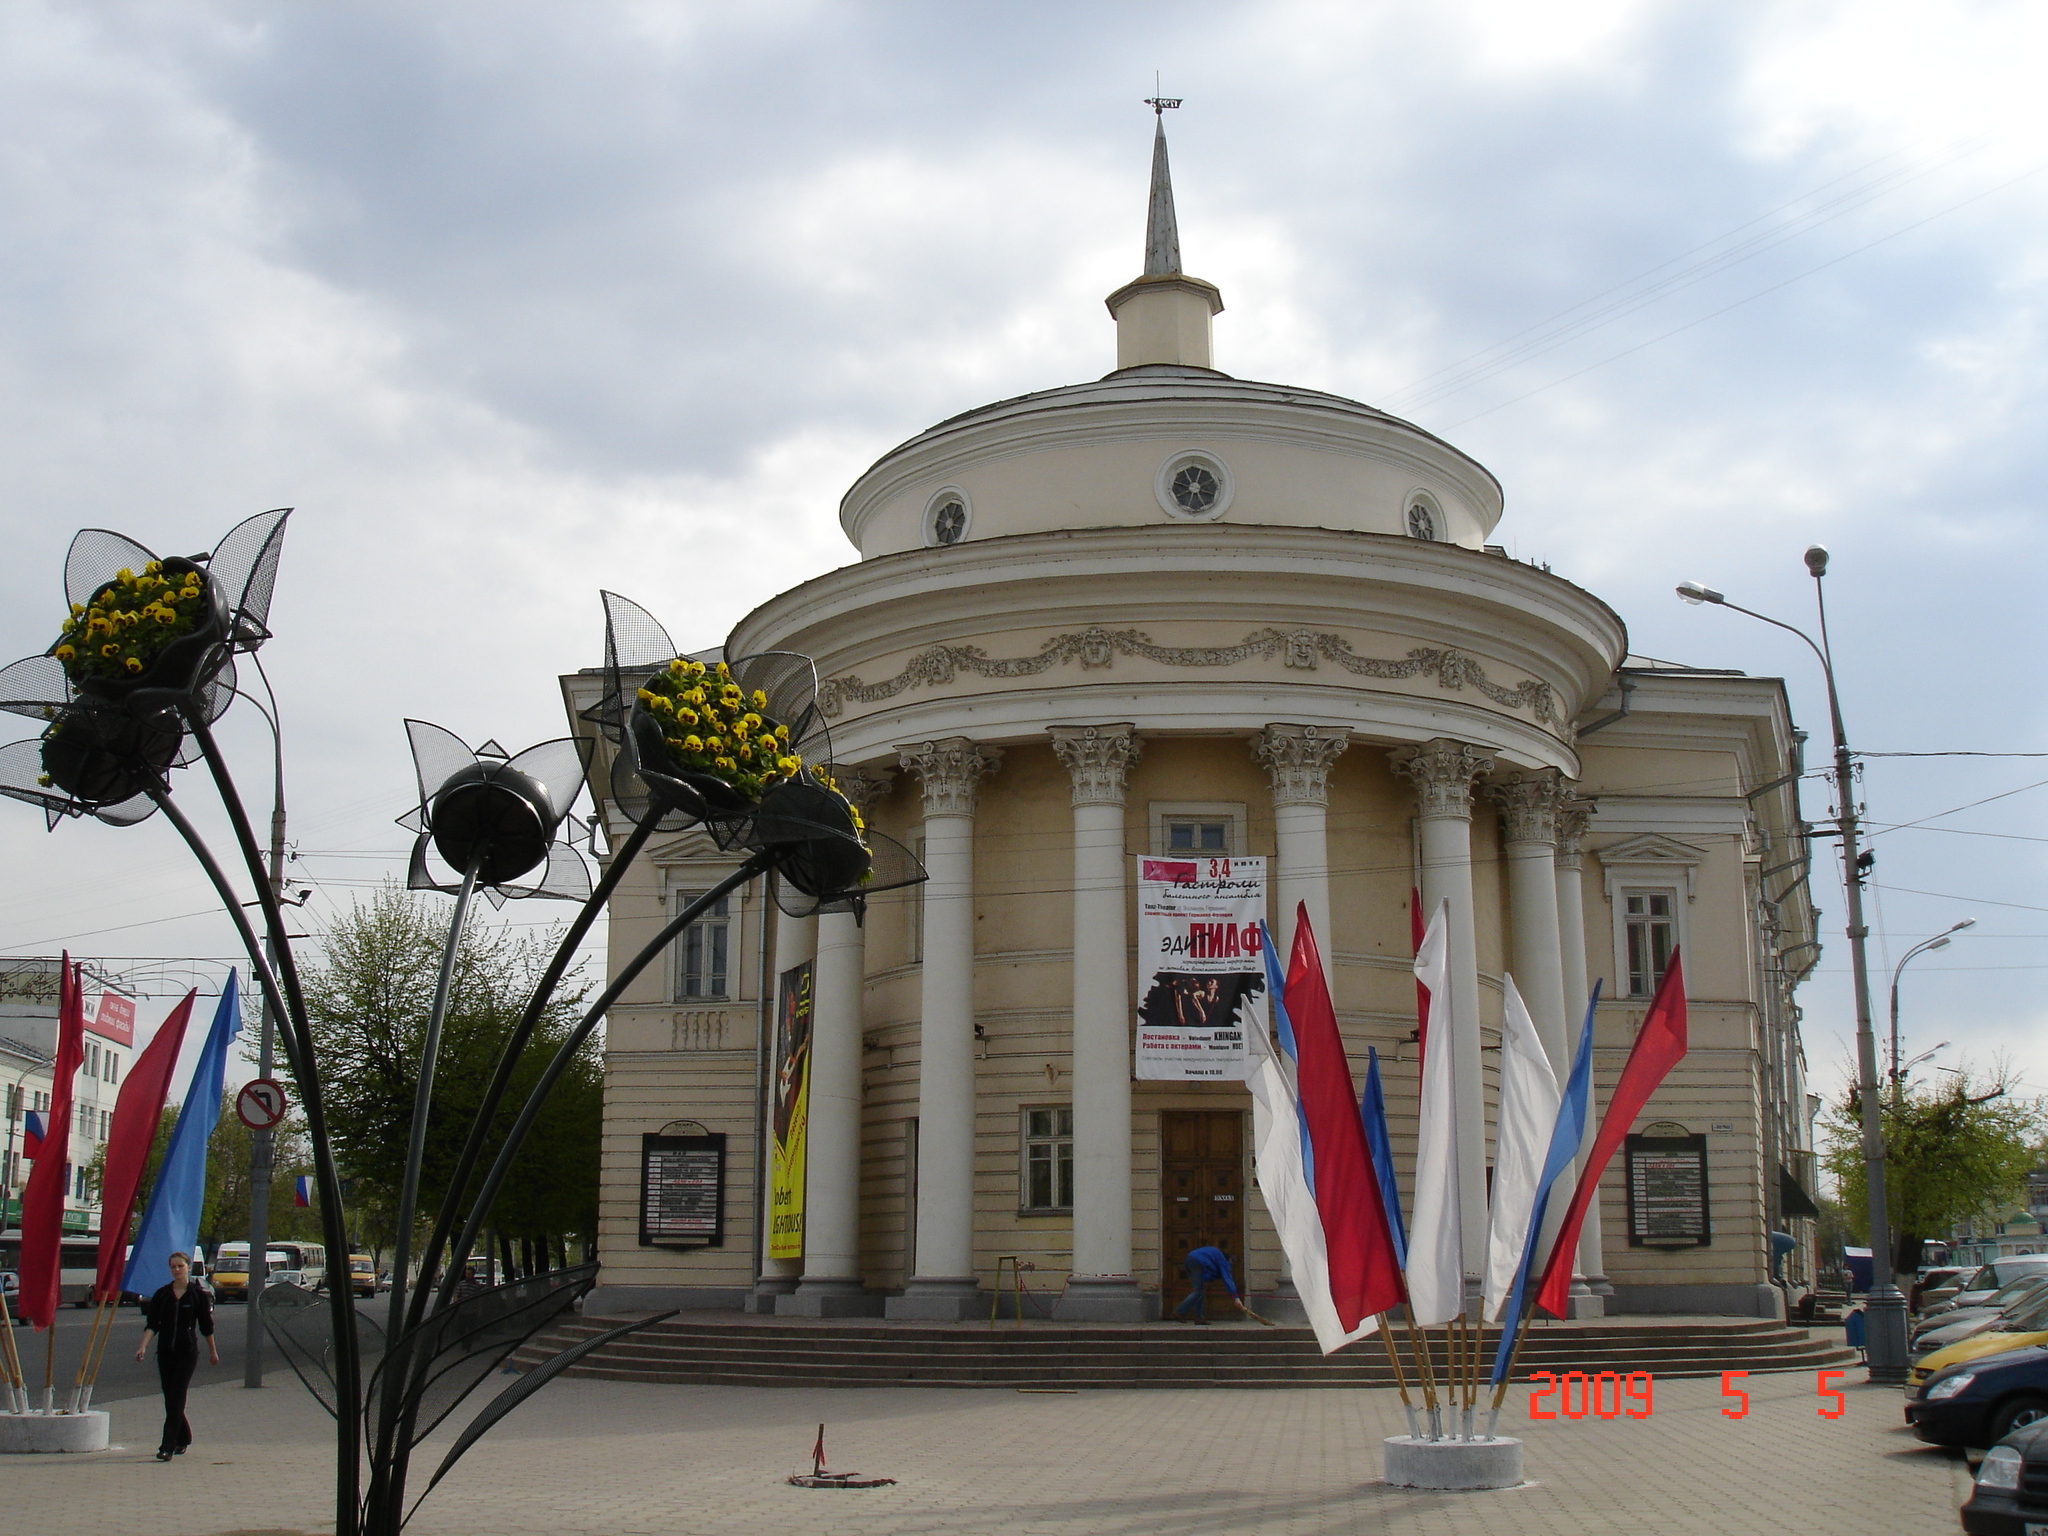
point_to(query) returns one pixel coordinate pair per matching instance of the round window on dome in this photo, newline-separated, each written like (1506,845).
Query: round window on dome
(1194,486)
(1421,521)
(946,517)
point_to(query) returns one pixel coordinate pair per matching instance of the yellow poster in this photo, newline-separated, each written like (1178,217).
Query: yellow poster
(789,1132)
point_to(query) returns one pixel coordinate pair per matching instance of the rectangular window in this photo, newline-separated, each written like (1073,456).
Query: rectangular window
(703,952)
(1197,834)
(113,1067)
(1049,1159)
(1652,935)
(106,1124)
(92,1058)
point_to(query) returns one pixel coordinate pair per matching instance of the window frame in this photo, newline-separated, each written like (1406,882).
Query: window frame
(1056,1139)
(1643,866)
(1232,812)
(725,922)
(1625,961)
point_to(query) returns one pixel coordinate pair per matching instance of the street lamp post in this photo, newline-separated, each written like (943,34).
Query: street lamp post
(262,1143)
(1939,941)
(1886,1310)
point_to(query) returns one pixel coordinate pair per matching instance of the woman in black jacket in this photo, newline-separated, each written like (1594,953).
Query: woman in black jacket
(177,1314)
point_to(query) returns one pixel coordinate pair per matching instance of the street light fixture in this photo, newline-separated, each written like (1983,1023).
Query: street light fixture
(1886,1311)
(1925,946)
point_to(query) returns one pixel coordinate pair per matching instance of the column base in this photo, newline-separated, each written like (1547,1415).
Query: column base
(1282,1305)
(942,1299)
(1105,1299)
(830,1298)
(1587,1305)
(768,1290)
(1600,1285)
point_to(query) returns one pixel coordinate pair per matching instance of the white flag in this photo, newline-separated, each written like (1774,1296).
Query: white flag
(1436,1253)
(1528,1114)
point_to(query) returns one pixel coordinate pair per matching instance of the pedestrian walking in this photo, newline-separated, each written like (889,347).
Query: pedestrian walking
(178,1314)
(1203,1266)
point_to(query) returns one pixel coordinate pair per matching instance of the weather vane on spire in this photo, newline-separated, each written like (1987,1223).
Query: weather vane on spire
(1160,102)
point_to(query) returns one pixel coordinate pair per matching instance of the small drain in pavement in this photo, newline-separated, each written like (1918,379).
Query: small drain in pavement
(818,1477)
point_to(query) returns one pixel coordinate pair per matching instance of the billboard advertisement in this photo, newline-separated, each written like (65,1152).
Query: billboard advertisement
(1201,983)
(787,1132)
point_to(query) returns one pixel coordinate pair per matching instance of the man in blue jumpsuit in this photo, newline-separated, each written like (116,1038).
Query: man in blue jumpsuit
(1205,1265)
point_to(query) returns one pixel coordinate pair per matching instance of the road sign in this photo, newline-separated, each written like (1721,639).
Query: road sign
(261,1103)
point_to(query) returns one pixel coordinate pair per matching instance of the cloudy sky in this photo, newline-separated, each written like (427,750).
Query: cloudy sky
(512,301)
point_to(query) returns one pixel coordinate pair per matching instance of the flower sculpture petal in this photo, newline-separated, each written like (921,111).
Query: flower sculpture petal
(148,645)
(507,816)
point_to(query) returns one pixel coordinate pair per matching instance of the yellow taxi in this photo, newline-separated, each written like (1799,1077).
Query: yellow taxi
(2028,1325)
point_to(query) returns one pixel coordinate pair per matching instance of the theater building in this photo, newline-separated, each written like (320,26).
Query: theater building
(1170,611)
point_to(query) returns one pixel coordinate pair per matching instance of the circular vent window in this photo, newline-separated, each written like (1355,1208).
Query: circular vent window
(946,516)
(1193,485)
(1421,522)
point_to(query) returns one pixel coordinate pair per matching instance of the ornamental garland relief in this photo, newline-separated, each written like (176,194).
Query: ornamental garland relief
(1096,648)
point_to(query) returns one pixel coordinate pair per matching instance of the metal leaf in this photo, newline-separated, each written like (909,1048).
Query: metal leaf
(560,766)
(436,754)
(245,564)
(96,557)
(33,686)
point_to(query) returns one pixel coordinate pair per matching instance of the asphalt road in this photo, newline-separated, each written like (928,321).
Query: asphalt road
(122,1376)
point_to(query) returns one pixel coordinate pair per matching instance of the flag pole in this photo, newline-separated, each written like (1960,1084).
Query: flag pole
(92,1339)
(17,1390)
(1426,1369)
(1386,1332)
(50,1365)
(1500,1390)
(99,1355)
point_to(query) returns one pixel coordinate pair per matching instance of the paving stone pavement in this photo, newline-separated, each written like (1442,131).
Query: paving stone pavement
(621,1459)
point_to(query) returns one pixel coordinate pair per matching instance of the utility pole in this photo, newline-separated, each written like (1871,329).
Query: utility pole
(262,1145)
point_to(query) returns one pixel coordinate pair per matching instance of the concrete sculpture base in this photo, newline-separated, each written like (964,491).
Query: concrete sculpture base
(1453,1465)
(50,1434)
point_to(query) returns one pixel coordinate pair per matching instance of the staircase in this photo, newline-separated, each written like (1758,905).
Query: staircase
(733,1349)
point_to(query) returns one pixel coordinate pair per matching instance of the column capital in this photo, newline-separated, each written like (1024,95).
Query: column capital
(1298,759)
(1572,817)
(1442,771)
(864,787)
(1098,757)
(950,768)
(1529,805)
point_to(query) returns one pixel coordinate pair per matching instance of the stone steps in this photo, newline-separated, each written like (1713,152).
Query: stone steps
(785,1353)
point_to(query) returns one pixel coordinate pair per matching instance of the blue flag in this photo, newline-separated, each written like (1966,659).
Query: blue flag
(1276,985)
(1373,1111)
(170,1222)
(1565,1137)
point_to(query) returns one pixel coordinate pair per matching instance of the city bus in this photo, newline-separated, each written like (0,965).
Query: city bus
(231,1266)
(77,1265)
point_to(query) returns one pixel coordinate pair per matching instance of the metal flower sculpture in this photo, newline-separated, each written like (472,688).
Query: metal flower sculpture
(145,653)
(501,813)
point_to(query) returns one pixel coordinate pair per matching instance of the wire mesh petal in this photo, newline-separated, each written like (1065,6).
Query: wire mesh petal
(568,877)
(245,564)
(96,557)
(634,641)
(301,1323)
(891,867)
(791,683)
(559,766)
(460,1345)
(436,755)
(34,686)
(128,812)
(21,765)
(219,692)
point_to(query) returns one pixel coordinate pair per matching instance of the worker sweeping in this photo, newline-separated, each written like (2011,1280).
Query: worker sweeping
(1203,1266)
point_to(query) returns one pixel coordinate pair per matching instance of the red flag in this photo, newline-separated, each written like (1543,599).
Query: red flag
(42,1202)
(1365,1277)
(136,1113)
(1660,1045)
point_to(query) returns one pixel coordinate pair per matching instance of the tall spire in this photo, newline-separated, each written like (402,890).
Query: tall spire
(1163,316)
(1162,233)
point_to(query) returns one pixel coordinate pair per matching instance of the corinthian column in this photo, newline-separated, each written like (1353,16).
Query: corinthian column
(832,1285)
(951,770)
(1297,759)
(1442,772)
(1571,924)
(1101,1288)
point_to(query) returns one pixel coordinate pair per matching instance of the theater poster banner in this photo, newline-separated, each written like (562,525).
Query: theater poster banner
(1201,983)
(788,1134)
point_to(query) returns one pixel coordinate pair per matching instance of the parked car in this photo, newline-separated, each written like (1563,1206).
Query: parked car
(2025,1325)
(2011,1490)
(2005,1301)
(1989,1278)
(1930,1281)
(285,1277)
(1981,1401)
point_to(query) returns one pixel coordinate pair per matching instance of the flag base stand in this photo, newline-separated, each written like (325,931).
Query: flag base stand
(1447,1466)
(52,1434)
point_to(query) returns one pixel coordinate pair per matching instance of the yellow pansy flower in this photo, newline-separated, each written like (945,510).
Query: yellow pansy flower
(64,653)
(693,744)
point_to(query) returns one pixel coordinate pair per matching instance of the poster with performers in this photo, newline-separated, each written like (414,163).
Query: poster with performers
(787,1135)
(1201,983)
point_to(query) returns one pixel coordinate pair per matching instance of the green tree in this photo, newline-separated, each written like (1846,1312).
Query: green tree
(368,1003)
(1952,1149)
(224,1218)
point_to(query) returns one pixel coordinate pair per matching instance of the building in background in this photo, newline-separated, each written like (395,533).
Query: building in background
(28,1049)
(1174,614)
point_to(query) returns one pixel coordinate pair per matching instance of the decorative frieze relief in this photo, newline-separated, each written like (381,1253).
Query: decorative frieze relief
(1302,649)
(1298,759)
(1529,805)
(1572,817)
(1442,772)
(950,769)
(1098,757)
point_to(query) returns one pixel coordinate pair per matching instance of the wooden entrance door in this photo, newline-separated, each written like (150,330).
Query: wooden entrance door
(1201,1195)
